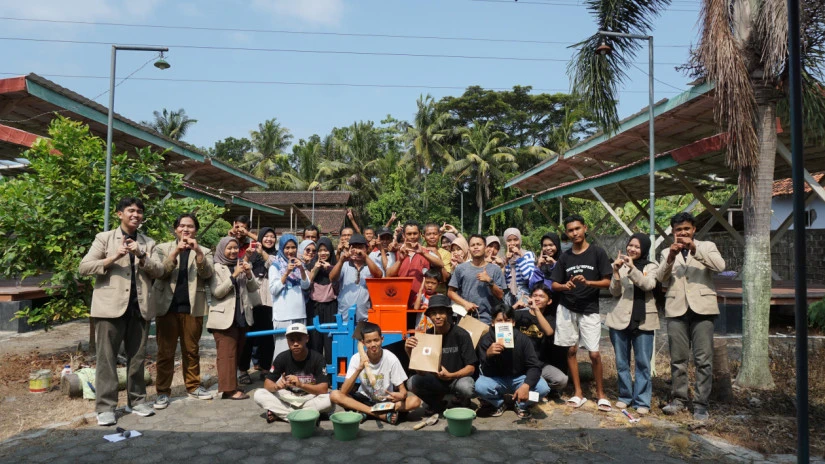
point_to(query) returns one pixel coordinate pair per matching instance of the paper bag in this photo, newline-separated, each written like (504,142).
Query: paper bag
(426,356)
(474,327)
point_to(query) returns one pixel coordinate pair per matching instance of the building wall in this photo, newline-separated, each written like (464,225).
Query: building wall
(783,206)
(781,254)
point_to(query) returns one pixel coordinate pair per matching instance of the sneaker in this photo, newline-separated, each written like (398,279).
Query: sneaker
(523,413)
(642,411)
(498,411)
(620,405)
(674,407)
(141,409)
(200,393)
(700,413)
(162,402)
(106,418)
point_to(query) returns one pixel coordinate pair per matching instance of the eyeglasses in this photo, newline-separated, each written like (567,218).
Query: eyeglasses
(309,250)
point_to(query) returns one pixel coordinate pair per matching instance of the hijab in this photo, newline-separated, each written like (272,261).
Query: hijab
(513,284)
(546,269)
(461,243)
(449,236)
(220,252)
(637,316)
(282,263)
(322,277)
(259,265)
(302,248)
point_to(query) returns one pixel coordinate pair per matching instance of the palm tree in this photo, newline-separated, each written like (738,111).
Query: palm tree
(269,143)
(358,150)
(482,157)
(743,50)
(425,136)
(172,124)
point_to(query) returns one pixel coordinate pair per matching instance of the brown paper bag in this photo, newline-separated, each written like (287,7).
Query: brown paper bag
(474,327)
(426,356)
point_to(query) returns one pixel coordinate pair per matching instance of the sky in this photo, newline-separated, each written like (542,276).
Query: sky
(238,63)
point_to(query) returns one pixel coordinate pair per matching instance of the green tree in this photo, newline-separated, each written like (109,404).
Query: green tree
(268,160)
(743,50)
(173,124)
(483,159)
(49,215)
(231,150)
(425,137)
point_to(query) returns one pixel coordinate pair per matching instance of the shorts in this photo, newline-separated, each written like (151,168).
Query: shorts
(577,328)
(362,398)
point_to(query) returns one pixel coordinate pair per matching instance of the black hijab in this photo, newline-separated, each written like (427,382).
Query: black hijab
(637,316)
(259,265)
(322,277)
(546,269)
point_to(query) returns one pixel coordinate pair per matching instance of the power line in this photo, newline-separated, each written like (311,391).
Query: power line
(659,80)
(298,83)
(319,52)
(285,31)
(558,4)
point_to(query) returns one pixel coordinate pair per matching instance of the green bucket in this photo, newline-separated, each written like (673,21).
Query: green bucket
(302,422)
(460,421)
(345,425)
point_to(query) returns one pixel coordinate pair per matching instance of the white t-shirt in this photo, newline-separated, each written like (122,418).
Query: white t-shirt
(388,373)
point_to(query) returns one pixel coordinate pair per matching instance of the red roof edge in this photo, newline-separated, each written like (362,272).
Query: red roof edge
(13,84)
(17,136)
(700,147)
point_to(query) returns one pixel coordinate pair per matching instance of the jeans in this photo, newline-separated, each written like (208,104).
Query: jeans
(432,390)
(493,389)
(633,392)
(688,331)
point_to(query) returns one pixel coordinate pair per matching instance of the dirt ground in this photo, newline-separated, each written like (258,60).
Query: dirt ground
(760,420)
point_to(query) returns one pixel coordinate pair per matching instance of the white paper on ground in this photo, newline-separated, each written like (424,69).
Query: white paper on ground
(116,437)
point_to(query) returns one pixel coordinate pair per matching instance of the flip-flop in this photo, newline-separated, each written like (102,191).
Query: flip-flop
(392,418)
(432,420)
(576,402)
(604,405)
(270,417)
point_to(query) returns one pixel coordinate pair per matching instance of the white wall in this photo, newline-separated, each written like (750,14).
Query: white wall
(783,206)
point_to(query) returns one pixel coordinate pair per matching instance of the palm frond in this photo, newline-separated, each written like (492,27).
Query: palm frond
(772,33)
(735,103)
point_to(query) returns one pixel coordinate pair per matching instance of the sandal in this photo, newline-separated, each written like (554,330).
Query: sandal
(604,405)
(270,417)
(245,379)
(392,417)
(231,396)
(576,402)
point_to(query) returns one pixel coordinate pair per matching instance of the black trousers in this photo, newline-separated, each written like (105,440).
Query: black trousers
(264,347)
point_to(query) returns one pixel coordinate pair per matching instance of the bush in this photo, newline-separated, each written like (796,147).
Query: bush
(816,315)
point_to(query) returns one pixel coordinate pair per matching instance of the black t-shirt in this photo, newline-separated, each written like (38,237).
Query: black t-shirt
(180,299)
(593,264)
(528,324)
(312,370)
(457,349)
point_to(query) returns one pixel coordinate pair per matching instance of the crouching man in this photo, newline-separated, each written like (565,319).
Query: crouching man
(298,379)
(514,370)
(382,380)
(458,359)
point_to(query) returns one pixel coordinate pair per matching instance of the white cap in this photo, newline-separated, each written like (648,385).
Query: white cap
(296,328)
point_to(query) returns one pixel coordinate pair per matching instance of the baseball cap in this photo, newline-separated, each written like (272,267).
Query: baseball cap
(493,239)
(384,231)
(296,328)
(440,301)
(357,239)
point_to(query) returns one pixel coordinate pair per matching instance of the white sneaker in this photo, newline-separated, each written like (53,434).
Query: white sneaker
(162,402)
(200,393)
(142,409)
(106,418)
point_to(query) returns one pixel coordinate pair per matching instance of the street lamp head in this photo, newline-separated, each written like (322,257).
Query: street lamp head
(161,63)
(604,49)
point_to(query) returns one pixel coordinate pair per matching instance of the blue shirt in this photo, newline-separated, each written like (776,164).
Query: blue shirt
(353,291)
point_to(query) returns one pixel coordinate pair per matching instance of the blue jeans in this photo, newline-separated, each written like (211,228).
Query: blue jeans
(493,389)
(633,393)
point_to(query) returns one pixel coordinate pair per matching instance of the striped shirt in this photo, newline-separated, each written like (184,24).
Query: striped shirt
(525,267)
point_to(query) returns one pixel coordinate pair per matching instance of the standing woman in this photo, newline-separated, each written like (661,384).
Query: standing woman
(287,282)
(633,320)
(519,268)
(459,251)
(323,296)
(233,289)
(260,257)
(307,251)
(550,251)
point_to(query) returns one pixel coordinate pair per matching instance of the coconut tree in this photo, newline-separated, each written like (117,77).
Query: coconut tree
(172,124)
(743,51)
(269,143)
(482,157)
(425,136)
(358,149)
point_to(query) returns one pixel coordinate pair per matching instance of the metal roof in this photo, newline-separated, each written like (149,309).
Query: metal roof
(30,102)
(301,197)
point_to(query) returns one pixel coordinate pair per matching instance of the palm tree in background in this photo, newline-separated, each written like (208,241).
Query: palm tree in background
(268,160)
(173,124)
(481,158)
(358,149)
(425,136)
(743,51)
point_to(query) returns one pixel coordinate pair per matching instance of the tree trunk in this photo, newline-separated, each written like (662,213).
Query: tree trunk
(756,270)
(480,203)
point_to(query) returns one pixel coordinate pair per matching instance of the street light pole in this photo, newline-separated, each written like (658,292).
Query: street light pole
(652,145)
(461,192)
(107,200)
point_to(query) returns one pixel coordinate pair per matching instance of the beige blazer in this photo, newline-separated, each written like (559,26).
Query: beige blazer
(222,301)
(619,317)
(111,293)
(164,287)
(690,281)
